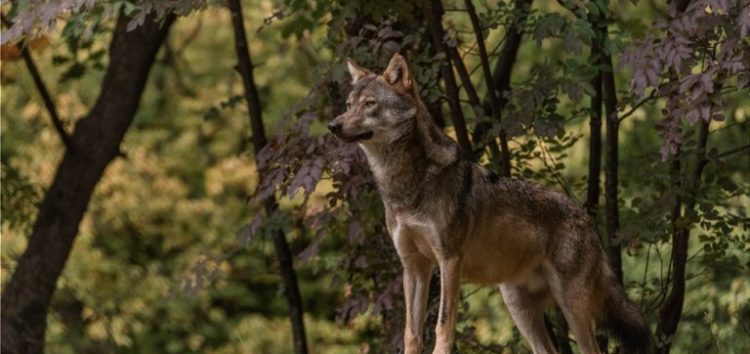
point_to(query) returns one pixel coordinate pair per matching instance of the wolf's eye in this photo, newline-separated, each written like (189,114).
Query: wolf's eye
(370,103)
(348,105)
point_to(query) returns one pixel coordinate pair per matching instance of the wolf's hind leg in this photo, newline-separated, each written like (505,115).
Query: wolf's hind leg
(527,310)
(575,298)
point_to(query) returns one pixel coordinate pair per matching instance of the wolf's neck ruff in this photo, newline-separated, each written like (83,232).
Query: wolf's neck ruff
(423,147)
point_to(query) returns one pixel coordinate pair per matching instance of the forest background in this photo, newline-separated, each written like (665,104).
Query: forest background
(168,185)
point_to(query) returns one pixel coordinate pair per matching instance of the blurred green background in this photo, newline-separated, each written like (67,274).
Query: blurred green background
(156,267)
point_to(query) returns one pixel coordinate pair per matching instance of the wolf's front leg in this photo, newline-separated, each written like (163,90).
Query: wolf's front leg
(416,290)
(450,276)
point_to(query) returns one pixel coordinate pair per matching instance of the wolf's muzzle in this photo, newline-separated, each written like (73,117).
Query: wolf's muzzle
(335,127)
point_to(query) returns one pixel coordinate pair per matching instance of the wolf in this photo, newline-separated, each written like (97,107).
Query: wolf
(443,210)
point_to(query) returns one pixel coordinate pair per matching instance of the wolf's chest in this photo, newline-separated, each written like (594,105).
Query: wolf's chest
(411,232)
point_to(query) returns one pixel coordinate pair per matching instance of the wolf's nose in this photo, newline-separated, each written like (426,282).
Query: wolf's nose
(334,127)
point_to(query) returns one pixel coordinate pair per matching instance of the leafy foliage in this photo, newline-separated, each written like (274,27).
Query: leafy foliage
(175,253)
(702,48)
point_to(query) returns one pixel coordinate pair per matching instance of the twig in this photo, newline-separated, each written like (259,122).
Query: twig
(733,151)
(191,36)
(468,86)
(495,53)
(645,274)
(727,126)
(638,105)
(555,174)
(42,88)
(658,299)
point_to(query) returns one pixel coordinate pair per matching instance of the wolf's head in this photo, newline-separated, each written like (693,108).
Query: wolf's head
(380,108)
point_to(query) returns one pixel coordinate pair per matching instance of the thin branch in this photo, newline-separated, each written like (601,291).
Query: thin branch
(555,174)
(612,161)
(495,53)
(728,126)
(468,86)
(659,297)
(504,68)
(638,105)
(671,312)
(593,180)
(491,91)
(42,88)
(283,252)
(434,15)
(245,68)
(733,151)
(191,36)
(645,274)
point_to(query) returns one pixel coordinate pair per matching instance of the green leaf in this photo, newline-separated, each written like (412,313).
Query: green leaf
(74,71)
(60,59)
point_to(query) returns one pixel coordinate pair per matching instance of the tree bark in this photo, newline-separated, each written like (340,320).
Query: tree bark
(593,191)
(283,253)
(492,93)
(671,311)
(501,77)
(595,139)
(463,74)
(434,14)
(96,142)
(611,171)
(612,209)
(473,96)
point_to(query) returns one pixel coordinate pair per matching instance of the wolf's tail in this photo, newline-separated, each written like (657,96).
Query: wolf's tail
(625,322)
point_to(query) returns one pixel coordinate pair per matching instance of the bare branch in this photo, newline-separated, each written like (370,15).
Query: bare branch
(593,182)
(283,252)
(491,91)
(42,88)
(503,70)
(733,151)
(434,15)
(465,77)
(671,312)
(640,103)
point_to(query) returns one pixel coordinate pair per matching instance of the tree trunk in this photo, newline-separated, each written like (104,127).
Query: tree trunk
(434,15)
(283,253)
(595,140)
(593,190)
(612,209)
(492,93)
(611,171)
(97,140)
(671,312)
(501,80)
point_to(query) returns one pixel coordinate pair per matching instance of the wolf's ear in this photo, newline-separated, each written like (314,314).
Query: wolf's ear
(356,71)
(397,72)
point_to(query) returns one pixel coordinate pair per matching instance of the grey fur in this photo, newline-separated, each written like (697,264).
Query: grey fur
(443,210)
